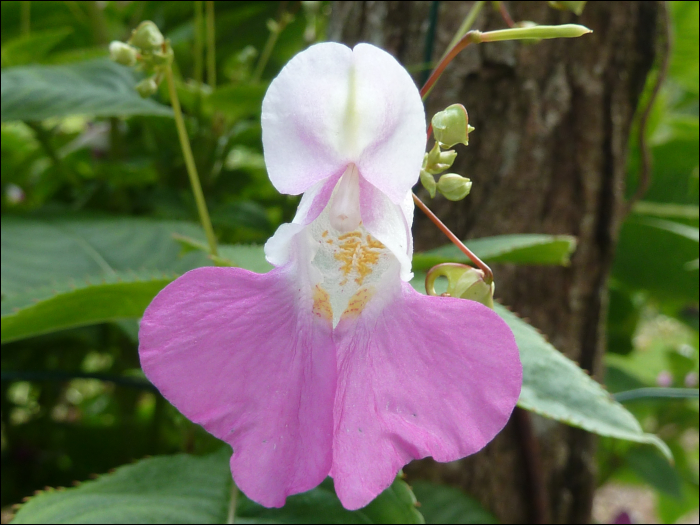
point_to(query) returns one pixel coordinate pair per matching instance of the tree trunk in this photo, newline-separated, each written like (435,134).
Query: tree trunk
(548,155)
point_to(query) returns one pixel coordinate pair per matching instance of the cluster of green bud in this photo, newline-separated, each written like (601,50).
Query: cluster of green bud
(463,281)
(450,127)
(148,51)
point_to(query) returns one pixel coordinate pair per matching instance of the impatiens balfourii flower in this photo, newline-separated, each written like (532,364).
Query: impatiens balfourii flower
(331,364)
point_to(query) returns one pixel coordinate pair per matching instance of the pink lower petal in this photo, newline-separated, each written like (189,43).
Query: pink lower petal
(243,355)
(428,376)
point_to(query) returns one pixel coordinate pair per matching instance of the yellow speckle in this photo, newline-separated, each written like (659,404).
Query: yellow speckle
(358,302)
(322,304)
(324,234)
(358,254)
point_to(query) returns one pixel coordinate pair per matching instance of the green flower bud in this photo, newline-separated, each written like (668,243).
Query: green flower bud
(432,157)
(446,160)
(163,58)
(463,281)
(454,187)
(451,126)
(436,161)
(471,285)
(123,53)
(147,87)
(147,36)
(428,182)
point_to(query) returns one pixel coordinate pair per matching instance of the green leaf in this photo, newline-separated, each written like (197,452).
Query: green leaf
(189,489)
(667,210)
(556,388)
(445,504)
(64,273)
(684,57)
(237,100)
(652,254)
(32,47)
(167,489)
(249,257)
(44,310)
(98,88)
(320,505)
(655,470)
(520,249)
(44,251)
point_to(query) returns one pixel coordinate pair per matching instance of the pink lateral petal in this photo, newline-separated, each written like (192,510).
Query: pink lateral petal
(428,376)
(243,355)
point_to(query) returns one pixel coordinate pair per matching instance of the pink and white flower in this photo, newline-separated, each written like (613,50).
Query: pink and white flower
(331,364)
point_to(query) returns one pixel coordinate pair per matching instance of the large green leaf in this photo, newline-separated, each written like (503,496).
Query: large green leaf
(189,489)
(556,388)
(397,504)
(445,504)
(115,296)
(32,47)
(97,87)
(55,250)
(168,489)
(520,249)
(65,273)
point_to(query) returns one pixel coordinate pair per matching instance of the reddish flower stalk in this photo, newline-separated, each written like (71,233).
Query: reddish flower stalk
(488,274)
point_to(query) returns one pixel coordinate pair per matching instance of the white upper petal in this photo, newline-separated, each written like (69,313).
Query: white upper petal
(331,106)
(389,223)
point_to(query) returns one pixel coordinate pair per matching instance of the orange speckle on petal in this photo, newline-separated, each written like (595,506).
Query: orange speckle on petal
(322,304)
(358,302)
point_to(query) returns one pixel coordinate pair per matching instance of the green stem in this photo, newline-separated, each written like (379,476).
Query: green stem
(656,393)
(231,518)
(198,43)
(269,46)
(25,16)
(488,274)
(466,26)
(189,162)
(518,33)
(211,46)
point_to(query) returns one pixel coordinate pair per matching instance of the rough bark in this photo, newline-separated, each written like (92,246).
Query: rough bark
(548,155)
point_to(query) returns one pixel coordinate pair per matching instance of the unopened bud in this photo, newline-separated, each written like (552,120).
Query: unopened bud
(147,36)
(451,126)
(163,56)
(147,87)
(428,182)
(464,282)
(471,285)
(436,161)
(432,157)
(122,53)
(454,187)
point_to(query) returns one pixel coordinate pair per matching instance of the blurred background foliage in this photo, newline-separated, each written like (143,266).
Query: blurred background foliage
(74,402)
